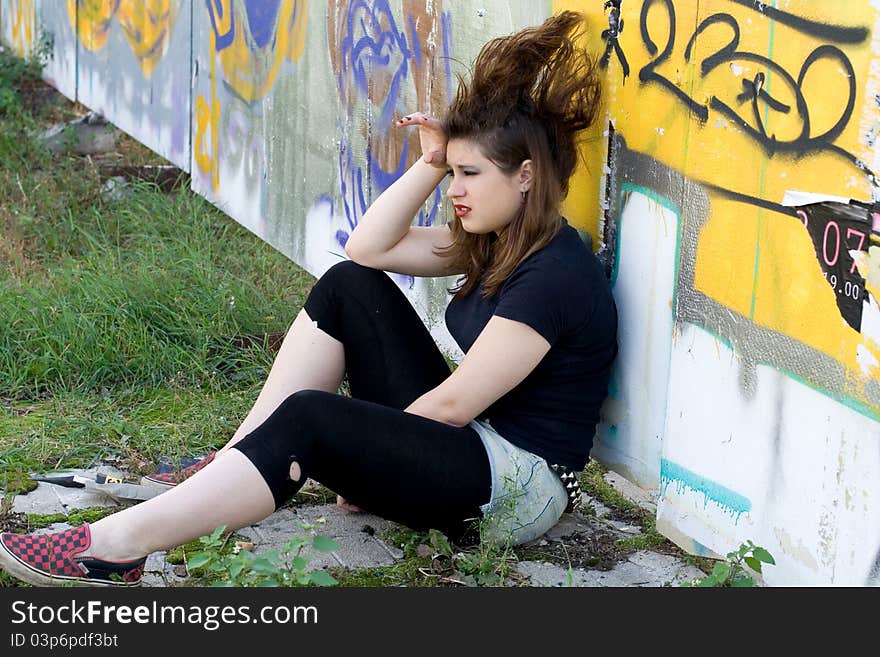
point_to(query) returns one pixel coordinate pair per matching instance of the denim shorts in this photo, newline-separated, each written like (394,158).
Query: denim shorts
(527,496)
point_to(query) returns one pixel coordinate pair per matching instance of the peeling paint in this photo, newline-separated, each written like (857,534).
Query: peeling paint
(798,552)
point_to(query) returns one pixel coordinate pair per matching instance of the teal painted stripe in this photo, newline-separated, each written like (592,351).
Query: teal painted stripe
(730,501)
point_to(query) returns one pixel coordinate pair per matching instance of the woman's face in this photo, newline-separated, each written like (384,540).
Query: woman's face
(485,198)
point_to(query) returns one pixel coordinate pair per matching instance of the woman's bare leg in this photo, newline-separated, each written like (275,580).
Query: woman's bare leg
(309,359)
(229,491)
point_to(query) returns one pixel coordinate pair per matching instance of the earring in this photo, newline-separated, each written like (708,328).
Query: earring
(523,193)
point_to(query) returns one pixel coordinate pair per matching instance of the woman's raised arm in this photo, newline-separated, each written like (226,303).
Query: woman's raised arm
(385,237)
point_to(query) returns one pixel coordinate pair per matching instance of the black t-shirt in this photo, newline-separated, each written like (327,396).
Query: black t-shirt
(562,293)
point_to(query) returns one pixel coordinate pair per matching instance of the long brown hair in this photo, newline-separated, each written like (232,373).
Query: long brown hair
(530,94)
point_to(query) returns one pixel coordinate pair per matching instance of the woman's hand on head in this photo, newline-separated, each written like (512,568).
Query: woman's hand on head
(432,137)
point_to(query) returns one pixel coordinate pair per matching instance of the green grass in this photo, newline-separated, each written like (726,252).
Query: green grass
(147,292)
(131,329)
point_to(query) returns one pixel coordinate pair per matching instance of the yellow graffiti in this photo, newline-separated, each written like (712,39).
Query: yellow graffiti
(207,117)
(251,71)
(147,25)
(582,206)
(756,262)
(91,20)
(23,25)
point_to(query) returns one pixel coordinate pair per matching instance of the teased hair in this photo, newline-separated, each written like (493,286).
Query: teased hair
(530,94)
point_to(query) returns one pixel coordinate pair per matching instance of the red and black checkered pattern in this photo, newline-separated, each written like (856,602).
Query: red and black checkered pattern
(174,478)
(52,558)
(50,553)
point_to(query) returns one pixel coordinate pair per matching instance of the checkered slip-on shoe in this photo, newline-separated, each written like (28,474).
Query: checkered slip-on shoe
(51,560)
(168,480)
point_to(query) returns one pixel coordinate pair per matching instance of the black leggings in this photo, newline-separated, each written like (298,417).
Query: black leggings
(403,467)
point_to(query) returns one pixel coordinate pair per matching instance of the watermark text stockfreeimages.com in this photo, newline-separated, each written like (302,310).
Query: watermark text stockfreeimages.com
(210,617)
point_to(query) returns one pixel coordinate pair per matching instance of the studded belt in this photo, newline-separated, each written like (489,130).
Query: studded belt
(569,479)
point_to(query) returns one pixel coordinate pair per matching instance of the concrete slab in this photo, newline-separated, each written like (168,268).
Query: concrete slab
(52,498)
(159,573)
(642,569)
(645,498)
(43,499)
(597,506)
(354,532)
(360,545)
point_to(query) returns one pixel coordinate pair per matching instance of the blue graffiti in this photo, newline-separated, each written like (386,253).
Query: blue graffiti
(262,17)
(730,501)
(216,12)
(447,56)
(374,46)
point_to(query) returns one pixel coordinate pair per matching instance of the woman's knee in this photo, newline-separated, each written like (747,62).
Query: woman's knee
(348,274)
(304,406)
(333,292)
(281,448)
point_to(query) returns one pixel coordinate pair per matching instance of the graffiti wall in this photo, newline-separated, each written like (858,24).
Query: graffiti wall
(19,27)
(740,212)
(294,104)
(133,66)
(128,60)
(729,188)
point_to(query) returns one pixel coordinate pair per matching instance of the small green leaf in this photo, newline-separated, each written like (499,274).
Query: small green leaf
(324,544)
(721,571)
(753,563)
(707,582)
(236,567)
(263,566)
(742,581)
(762,555)
(199,559)
(323,578)
(299,563)
(295,543)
